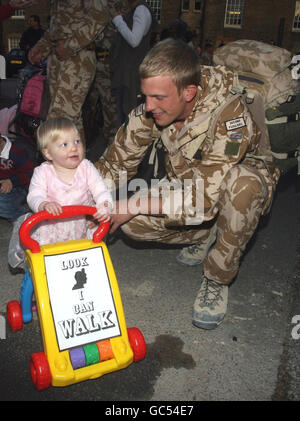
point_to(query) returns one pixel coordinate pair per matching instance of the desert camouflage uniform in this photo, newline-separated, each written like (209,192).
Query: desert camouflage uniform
(101,86)
(265,69)
(77,23)
(219,144)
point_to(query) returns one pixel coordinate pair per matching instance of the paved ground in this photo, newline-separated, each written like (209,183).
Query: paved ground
(251,356)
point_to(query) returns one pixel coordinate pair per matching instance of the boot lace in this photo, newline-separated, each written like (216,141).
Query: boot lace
(210,293)
(195,248)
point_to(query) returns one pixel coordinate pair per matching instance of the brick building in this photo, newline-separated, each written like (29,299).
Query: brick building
(218,21)
(271,21)
(12,28)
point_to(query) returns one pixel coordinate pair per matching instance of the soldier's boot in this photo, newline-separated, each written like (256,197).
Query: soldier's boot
(196,253)
(210,305)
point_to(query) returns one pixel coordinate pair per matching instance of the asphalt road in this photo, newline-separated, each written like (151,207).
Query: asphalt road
(251,356)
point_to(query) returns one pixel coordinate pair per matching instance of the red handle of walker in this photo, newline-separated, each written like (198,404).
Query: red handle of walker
(67,212)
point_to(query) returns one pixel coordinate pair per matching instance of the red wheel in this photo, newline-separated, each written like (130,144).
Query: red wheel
(137,343)
(40,371)
(14,315)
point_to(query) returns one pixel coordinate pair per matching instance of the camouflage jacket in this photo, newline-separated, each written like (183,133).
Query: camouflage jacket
(219,134)
(77,22)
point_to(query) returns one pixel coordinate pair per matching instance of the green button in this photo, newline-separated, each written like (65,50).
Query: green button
(91,354)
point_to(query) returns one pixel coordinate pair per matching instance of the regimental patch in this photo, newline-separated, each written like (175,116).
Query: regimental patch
(237,123)
(236,136)
(139,110)
(232,148)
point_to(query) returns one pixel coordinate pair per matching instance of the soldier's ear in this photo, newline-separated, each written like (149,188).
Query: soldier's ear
(189,92)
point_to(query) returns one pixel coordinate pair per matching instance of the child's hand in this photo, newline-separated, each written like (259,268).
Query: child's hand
(104,211)
(5,186)
(51,207)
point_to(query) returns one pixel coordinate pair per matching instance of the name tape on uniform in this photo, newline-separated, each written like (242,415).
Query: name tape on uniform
(237,123)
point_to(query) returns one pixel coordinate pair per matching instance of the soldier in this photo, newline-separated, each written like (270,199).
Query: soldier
(68,43)
(208,136)
(101,87)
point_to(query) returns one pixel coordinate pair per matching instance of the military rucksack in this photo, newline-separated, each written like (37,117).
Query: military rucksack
(265,71)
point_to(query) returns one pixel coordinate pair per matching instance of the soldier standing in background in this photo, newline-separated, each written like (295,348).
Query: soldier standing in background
(209,137)
(69,44)
(101,86)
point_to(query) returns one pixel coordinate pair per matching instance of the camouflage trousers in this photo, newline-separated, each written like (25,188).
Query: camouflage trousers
(101,87)
(69,83)
(243,194)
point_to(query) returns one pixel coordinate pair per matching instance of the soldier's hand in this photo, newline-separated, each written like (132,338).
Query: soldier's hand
(121,214)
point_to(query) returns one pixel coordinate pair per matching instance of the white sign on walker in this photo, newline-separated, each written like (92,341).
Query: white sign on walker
(81,299)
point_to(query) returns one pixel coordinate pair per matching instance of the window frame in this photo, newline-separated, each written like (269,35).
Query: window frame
(296,18)
(183,9)
(239,6)
(19,14)
(13,41)
(156,8)
(201,6)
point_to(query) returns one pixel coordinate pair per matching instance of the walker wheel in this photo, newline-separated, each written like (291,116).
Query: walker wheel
(14,315)
(40,371)
(137,343)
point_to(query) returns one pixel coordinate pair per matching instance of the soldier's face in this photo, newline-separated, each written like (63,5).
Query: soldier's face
(164,101)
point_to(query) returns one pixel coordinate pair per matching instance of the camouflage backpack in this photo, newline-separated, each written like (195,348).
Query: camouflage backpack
(264,74)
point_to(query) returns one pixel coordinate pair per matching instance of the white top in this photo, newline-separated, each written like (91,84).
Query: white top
(142,20)
(5,151)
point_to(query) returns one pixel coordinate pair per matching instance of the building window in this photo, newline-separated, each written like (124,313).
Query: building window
(185,5)
(13,42)
(197,6)
(234,13)
(156,8)
(296,23)
(19,14)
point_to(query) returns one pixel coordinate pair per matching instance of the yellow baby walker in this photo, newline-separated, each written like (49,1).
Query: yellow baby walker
(79,306)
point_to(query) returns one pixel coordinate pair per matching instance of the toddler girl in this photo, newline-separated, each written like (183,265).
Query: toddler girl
(65,178)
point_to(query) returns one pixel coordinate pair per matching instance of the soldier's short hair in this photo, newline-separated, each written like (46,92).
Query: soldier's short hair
(51,130)
(173,58)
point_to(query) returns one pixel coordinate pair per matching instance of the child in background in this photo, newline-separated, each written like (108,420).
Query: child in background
(65,178)
(16,169)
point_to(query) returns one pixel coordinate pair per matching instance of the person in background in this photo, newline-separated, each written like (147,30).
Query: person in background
(206,56)
(32,34)
(101,90)
(16,170)
(130,46)
(69,45)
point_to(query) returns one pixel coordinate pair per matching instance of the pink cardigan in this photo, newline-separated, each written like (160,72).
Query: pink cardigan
(87,188)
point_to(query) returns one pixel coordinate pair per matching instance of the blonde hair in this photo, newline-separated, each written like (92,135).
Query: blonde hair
(51,129)
(173,58)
